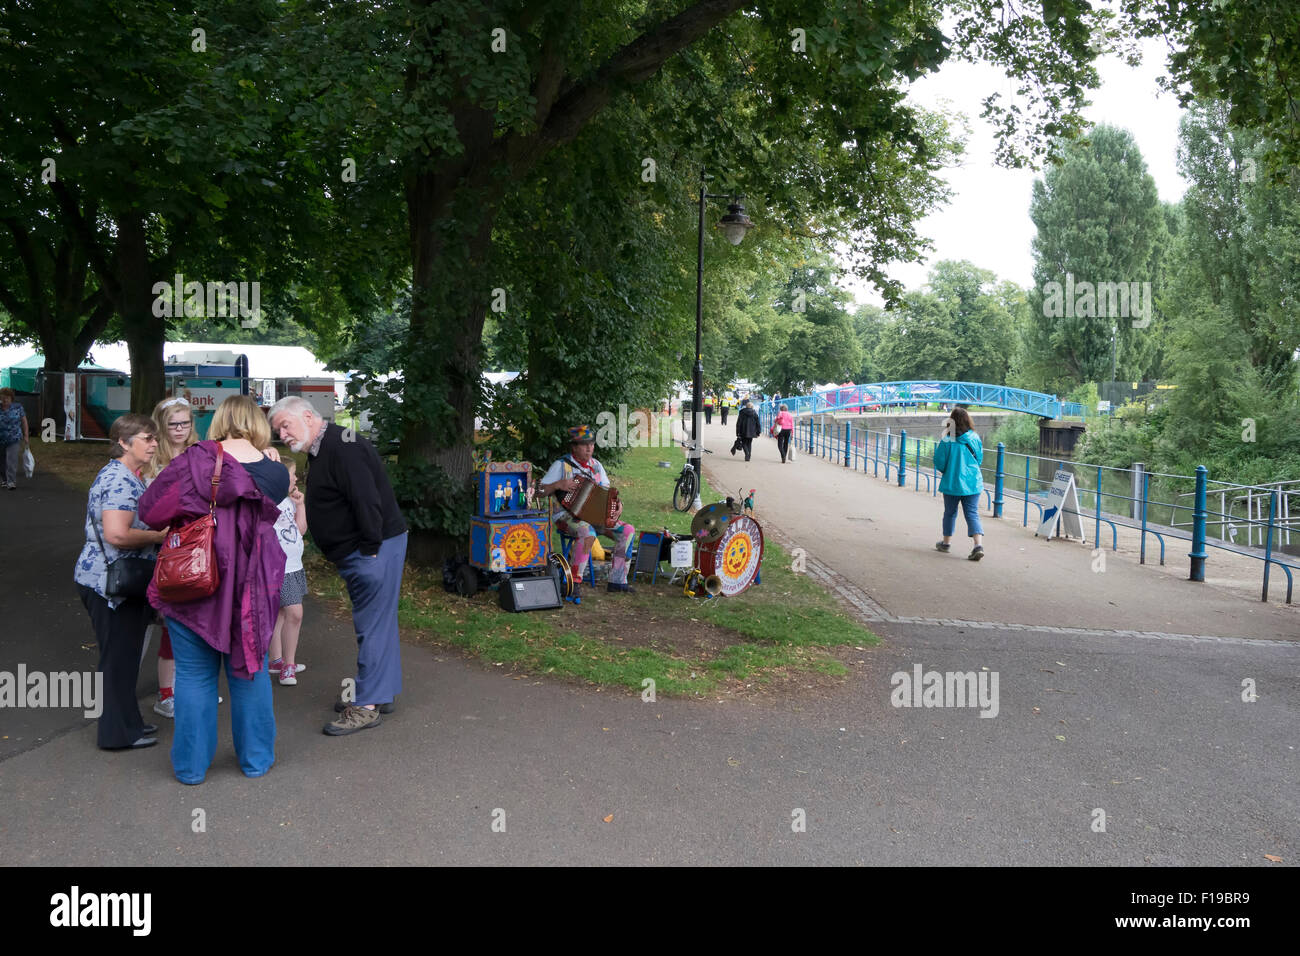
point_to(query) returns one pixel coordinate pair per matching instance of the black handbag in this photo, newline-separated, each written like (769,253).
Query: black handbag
(127,577)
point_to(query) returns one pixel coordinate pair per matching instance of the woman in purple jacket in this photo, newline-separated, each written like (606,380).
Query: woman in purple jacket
(233,626)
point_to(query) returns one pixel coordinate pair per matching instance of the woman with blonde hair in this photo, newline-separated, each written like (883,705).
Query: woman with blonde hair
(175,420)
(231,627)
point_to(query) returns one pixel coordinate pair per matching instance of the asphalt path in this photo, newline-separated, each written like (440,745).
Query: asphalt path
(1152,731)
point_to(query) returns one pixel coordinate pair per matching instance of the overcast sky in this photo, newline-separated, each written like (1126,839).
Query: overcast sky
(987,220)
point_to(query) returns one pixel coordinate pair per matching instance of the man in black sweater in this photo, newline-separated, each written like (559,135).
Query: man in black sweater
(353,517)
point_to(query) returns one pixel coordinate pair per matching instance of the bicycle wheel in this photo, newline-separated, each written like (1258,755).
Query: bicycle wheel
(684,493)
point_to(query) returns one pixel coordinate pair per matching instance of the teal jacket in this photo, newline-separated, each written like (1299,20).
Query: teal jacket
(959,461)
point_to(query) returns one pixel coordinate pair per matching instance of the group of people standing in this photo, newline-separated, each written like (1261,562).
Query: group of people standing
(159,479)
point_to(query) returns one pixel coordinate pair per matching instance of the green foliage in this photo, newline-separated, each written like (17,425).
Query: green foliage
(1019,433)
(959,327)
(1099,220)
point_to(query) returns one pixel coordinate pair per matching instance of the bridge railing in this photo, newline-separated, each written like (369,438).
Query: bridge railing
(1155,504)
(878,396)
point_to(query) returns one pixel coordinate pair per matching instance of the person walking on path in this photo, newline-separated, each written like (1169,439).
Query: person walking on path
(354,519)
(120,621)
(728,399)
(708,408)
(958,456)
(784,426)
(232,626)
(748,428)
(13,436)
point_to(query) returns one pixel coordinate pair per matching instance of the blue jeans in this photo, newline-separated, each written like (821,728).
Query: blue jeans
(970,506)
(252,719)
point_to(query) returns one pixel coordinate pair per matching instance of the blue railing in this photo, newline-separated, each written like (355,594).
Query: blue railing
(904,459)
(884,395)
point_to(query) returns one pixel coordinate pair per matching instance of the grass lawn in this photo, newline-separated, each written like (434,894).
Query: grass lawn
(783,631)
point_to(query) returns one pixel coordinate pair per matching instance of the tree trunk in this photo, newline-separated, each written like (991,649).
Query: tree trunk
(145,333)
(445,344)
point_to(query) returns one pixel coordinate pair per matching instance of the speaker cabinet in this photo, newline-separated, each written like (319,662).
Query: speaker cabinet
(529,593)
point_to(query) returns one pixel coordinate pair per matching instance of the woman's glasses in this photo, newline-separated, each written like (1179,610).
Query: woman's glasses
(179,426)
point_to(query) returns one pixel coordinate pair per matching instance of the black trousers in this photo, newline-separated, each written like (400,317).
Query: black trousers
(783,441)
(725,409)
(120,635)
(746,444)
(708,414)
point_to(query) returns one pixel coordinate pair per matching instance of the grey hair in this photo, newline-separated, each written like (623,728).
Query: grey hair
(290,405)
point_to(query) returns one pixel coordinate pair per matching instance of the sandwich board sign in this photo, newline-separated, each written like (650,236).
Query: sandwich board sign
(1061,513)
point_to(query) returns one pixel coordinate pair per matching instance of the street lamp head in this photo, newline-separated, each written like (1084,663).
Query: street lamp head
(735,223)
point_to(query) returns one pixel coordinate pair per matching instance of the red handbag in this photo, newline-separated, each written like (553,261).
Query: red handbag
(187,563)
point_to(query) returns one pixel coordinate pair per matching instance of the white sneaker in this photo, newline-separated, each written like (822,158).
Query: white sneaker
(167,708)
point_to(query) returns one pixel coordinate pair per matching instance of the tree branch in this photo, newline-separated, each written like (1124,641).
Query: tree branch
(632,64)
(84,234)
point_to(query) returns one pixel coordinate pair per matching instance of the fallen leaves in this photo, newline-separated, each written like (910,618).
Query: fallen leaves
(1272,859)
(610,818)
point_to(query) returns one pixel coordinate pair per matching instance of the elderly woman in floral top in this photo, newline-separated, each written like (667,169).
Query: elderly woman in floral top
(120,622)
(13,436)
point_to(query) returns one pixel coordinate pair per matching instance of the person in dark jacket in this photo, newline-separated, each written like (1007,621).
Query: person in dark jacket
(353,517)
(748,427)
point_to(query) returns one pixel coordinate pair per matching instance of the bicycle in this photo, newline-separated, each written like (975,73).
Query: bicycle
(685,491)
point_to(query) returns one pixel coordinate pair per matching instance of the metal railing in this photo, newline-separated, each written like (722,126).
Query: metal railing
(884,395)
(1148,502)
(1249,507)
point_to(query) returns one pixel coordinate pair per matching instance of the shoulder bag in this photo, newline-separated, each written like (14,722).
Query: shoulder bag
(127,577)
(187,563)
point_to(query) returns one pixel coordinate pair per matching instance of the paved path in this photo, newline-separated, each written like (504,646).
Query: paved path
(1154,733)
(881,537)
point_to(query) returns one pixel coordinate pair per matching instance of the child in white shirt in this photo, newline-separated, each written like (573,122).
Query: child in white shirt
(289,528)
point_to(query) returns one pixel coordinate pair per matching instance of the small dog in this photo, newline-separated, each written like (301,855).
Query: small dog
(749,503)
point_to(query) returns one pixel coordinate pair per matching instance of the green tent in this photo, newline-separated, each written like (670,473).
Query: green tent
(21,376)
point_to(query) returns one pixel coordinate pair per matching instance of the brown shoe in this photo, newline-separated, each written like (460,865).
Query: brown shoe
(352,719)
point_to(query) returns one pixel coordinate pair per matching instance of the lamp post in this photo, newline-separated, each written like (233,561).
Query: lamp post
(1114,350)
(734,225)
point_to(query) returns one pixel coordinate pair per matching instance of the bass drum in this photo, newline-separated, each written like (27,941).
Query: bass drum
(735,556)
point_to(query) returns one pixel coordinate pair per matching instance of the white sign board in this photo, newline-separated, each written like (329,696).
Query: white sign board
(70,406)
(683,555)
(1062,509)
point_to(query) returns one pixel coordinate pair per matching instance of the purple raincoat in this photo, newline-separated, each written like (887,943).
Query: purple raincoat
(239,617)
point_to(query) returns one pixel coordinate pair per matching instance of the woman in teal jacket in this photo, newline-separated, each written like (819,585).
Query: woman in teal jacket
(958,456)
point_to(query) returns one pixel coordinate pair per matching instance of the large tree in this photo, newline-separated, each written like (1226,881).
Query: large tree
(959,327)
(1234,281)
(1099,220)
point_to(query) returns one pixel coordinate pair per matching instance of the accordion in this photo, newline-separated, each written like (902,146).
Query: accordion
(591,503)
